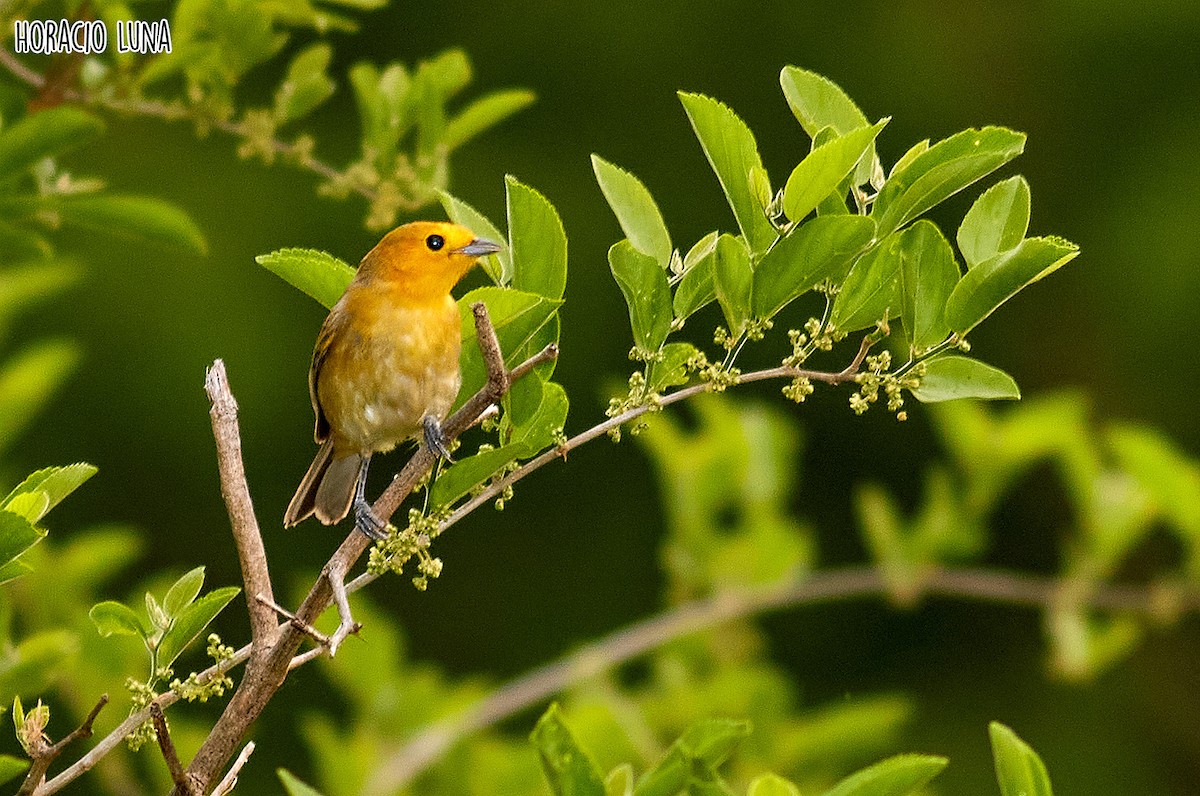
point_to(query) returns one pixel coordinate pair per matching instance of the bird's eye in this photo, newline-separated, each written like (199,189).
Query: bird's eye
(435,242)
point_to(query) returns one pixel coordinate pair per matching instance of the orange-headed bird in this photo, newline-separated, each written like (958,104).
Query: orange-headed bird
(385,366)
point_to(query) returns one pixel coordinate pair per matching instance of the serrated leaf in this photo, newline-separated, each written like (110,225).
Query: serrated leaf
(293,785)
(29,379)
(824,169)
(537,240)
(928,274)
(697,287)
(319,275)
(643,282)
(1019,770)
(137,217)
(112,618)
(818,249)
(159,620)
(191,622)
(733,154)
(306,85)
(871,289)
(53,482)
(183,591)
(733,280)
(942,171)
(771,785)
(635,210)
(518,317)
(996,222)
(17,534)
(499,265)
(993,282)
(818,103)
(30,505)
(11,767)
(950,377)
(44,134)
(568,768)
(897,776)
(484,113)
(915,151)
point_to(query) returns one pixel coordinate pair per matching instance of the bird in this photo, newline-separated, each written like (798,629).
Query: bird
(385,366)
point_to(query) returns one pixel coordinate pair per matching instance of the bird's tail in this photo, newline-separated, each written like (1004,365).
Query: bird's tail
(327,489)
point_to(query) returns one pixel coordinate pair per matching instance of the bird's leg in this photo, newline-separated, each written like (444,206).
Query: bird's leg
(435,438)
(364,516)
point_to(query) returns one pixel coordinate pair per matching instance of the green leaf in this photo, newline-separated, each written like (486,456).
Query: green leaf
(997,222)
(306,85)
(915,151)
(24,284)
(818,249)
(993,282)
(896,776)
(13,570)
(293,785)
(731,150)
(635,209)
(11,767)
(483,113)
(29,379)
(1168,476)
(17,534)
(822,171)
(619,781)
(383,108)
(942,171)
(53,482)
(771,785)
(692,760)
(733,280)
(319,275)
(44,134)
(697,288)
(36,662)
(191,621)
(518,317)
(116,619)
(871,289)
(644,285)
(1019,770)
(568,768)
(537,240)
(950,377)
(671,370)
(818,103)
(183,592)
(461,477)
(138,217)
(540,429)
(928,274)
(499,265)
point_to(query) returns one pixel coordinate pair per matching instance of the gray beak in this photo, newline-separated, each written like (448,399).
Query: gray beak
(478,248)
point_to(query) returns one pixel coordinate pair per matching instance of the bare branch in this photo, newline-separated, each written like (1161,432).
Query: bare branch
(251,554)
(304,627)
(346,624)
(47,754)
(226,785)
(163,733)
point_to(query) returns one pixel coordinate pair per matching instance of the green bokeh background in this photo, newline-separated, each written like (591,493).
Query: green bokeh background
(1109,94)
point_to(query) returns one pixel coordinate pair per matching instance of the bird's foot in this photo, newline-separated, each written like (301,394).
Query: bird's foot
(435,438)
(366,521)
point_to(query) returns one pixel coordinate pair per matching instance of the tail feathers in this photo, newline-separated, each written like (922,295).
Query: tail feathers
(327,489)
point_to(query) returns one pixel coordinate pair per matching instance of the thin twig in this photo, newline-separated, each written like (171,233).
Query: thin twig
(45,756)
(167,746)
(226,785)
(346,624)
(307,629)
(982,585)
(251,554)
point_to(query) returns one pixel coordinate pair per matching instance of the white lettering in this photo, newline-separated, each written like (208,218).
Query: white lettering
(138,36)
(55,36)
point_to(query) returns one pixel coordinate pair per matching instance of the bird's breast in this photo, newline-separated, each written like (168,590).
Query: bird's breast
(390,366)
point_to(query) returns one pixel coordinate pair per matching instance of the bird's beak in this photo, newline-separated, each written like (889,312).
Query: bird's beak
(478,248)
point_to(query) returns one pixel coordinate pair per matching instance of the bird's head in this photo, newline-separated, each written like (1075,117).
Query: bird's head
(425,259)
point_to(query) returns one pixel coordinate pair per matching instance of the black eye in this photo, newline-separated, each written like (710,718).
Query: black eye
(435,242)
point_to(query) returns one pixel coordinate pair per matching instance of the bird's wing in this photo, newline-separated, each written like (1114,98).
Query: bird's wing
(325,339)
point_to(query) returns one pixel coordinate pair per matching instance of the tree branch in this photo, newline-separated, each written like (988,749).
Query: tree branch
(230,781)
(251,554)
(45,756)
(981,585)
(167,746)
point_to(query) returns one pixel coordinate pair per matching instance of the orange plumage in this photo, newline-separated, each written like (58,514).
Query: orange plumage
(385,366)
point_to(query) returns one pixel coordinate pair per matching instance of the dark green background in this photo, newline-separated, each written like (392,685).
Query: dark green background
(1109,94)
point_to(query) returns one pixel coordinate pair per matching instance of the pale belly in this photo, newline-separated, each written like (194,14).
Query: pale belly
(376,388)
